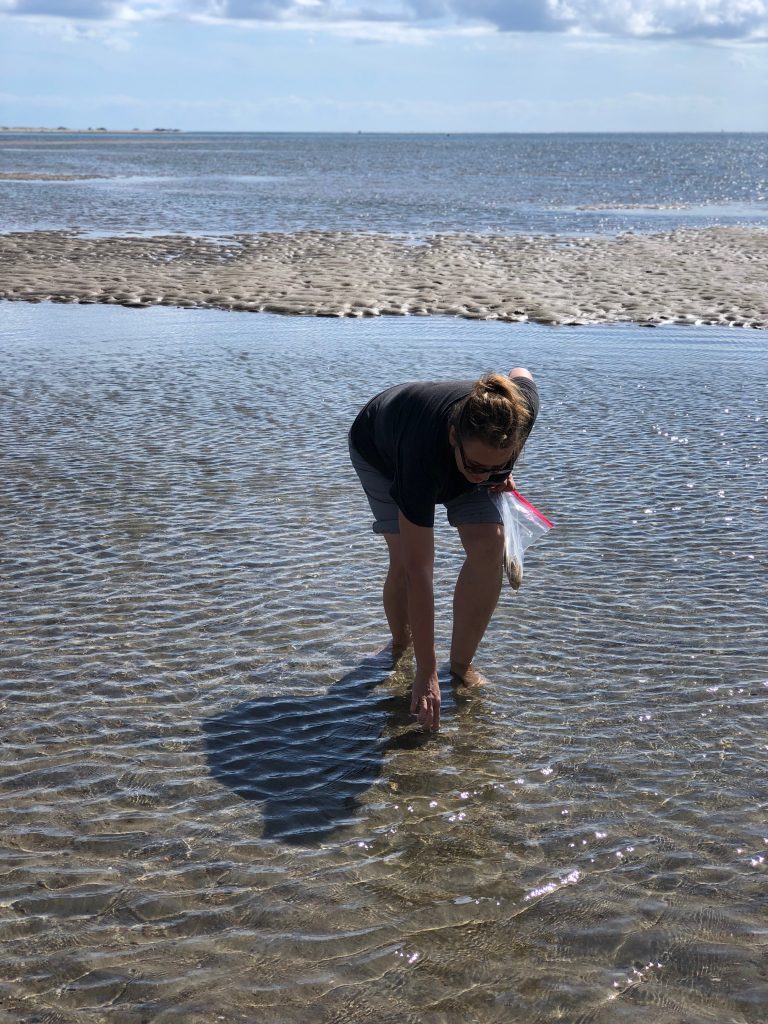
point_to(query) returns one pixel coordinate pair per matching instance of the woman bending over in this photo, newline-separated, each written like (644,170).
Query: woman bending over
(452,443)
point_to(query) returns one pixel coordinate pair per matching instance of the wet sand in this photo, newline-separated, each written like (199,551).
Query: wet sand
(710,276)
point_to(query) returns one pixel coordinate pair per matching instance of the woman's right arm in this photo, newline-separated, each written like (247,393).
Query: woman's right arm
(418,549)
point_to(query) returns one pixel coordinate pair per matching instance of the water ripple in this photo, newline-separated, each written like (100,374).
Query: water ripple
(215,804)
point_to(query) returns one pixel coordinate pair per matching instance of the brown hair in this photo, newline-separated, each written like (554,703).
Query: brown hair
(494,412)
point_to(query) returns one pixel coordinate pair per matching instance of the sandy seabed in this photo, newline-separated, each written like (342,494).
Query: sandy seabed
(716,275)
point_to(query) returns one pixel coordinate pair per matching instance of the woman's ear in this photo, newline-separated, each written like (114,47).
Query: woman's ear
(452,435)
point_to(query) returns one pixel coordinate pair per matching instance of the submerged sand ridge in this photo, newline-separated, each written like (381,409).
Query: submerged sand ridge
(710,276)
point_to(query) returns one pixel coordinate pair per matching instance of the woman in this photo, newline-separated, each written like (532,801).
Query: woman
(454,443)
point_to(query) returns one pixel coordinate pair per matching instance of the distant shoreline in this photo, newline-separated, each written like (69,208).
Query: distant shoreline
(87,131)
(26,130)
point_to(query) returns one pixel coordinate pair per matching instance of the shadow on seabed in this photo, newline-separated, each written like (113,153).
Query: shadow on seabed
(309,759)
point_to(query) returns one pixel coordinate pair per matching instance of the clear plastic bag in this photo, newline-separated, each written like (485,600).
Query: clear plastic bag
(523,524)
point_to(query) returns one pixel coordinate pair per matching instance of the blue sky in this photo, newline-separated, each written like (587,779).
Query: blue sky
(386,65)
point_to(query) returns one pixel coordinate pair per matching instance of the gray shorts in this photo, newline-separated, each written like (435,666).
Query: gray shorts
(478,506)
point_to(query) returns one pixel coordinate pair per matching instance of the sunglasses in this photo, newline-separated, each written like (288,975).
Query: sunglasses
(476,469)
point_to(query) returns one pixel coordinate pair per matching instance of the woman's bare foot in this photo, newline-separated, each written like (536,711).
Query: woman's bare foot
(399,649)
(401,643)
(396,652)
(468,678)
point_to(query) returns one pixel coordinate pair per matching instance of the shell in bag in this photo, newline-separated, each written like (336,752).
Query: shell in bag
(523,524)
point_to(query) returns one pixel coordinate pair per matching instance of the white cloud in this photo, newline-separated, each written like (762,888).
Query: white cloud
(686,19)
(678,18)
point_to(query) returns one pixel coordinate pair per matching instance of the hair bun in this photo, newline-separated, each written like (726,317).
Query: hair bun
(496,384)
(495,411)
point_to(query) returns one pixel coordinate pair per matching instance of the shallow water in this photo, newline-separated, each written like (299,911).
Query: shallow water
(214,804)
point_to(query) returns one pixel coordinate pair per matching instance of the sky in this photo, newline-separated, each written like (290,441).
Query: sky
(386,65)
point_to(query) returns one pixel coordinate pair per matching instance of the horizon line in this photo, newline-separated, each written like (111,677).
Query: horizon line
(44,129)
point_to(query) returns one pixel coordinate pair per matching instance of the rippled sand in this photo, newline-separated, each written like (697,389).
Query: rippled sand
(711,276)
(213,803)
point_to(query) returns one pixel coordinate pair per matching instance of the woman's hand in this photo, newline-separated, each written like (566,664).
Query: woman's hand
(426,700)
(506,486)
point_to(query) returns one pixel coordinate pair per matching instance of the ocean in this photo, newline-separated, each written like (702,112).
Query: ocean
(223,184)
(214,802)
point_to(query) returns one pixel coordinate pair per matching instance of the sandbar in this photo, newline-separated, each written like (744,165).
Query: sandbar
(31,176)
(715,275)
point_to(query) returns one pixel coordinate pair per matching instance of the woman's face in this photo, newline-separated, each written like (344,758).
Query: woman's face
(477,461)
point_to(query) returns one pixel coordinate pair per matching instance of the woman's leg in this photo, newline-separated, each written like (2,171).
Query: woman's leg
(396,596)
(476,595)
(377,490)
